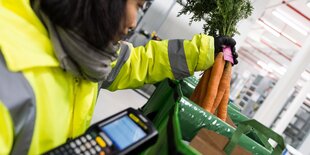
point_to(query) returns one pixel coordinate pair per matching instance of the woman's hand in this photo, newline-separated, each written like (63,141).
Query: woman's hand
(222,41)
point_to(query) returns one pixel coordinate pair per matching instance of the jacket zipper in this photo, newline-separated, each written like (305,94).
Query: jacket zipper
(76,82)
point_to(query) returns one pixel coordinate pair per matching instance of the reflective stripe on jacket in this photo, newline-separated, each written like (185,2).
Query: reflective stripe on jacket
(64,104)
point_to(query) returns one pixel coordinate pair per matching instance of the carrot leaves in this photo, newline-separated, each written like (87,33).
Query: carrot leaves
(220,16)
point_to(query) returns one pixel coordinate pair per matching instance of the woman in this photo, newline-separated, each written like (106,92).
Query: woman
(56,54)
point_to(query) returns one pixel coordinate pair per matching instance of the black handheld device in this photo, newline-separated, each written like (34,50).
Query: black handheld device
(127,132)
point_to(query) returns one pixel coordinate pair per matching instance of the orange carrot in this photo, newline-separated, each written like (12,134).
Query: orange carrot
(224,84)
(204,84)
(230,122)
(216,74)
(195,95)
(222,109)
(199,91)
(218,98)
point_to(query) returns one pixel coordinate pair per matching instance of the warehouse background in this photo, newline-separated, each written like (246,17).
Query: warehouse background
(272,81)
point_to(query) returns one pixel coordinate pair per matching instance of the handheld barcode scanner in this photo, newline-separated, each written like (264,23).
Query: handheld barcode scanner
(127,132)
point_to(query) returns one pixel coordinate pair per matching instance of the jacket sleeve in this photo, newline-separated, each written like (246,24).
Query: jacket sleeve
(6,130)
(157,60)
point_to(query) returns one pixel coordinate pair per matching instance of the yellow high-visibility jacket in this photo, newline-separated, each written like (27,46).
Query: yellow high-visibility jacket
(41,105)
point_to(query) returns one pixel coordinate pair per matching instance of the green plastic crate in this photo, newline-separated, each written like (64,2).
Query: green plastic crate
(178,120)
(188,85)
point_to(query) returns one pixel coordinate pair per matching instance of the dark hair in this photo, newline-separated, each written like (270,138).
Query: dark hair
(98,21)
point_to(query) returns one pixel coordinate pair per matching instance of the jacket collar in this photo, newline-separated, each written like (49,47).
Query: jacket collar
(24,41)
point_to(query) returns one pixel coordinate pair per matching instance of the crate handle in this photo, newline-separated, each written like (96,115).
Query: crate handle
(249,125)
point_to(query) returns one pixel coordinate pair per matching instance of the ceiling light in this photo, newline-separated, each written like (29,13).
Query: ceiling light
(272,29)
(290,38)
(294,20)
(263,38)
(276,31)
(279,69)
(264,66)
(306,76)
(289,20)
(308,4)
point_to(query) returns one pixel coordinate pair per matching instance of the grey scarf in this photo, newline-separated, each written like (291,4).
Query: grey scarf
(76,55)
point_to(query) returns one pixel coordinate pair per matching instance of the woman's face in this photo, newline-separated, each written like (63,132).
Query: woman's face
(130,20)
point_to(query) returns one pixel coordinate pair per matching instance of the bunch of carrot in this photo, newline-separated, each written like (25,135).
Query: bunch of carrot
(212,91)
(221,18)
